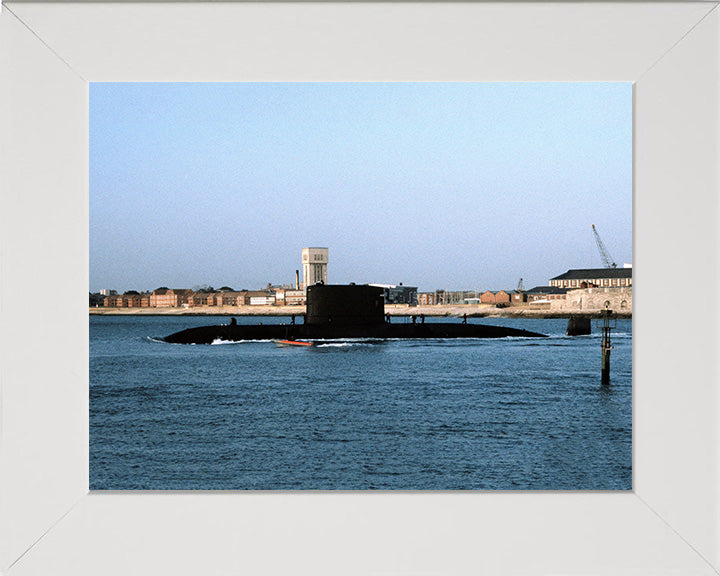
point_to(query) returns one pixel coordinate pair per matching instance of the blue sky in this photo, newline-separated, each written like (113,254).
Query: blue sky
(436,185)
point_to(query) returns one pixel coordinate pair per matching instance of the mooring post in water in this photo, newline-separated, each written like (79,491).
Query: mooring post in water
(605,345)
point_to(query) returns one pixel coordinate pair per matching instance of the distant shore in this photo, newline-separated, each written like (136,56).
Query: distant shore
(457,311)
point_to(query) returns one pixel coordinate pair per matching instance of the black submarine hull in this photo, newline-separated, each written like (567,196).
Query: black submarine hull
(343,311)
(237,333)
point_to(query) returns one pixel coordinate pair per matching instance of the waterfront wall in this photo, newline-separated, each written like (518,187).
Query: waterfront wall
(590,299)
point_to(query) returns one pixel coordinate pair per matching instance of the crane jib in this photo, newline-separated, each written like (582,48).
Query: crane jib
(608,262)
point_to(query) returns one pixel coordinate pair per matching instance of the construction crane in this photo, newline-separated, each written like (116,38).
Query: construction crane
(608,262)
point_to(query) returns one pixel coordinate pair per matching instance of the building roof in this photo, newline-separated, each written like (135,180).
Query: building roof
(394,286)
(546,290)
(592,273)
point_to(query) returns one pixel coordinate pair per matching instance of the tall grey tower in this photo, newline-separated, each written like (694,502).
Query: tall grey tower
(315,262)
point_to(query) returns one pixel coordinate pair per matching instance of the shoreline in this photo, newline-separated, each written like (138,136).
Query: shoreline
(399,310)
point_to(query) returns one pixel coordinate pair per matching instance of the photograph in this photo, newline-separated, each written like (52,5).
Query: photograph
(418,286)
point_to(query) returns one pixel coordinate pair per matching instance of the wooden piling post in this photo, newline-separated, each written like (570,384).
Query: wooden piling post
(605,345)
(605,370)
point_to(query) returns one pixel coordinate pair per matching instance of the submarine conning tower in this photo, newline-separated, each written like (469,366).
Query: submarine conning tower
(344,305)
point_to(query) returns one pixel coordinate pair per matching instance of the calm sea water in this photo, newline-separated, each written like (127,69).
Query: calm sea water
(355,415)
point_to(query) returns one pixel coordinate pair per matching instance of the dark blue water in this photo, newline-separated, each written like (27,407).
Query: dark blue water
(356,415)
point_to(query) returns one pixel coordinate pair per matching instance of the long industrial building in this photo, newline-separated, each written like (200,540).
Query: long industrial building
(594,277)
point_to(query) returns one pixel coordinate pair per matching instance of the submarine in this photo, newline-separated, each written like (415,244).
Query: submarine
(338,311)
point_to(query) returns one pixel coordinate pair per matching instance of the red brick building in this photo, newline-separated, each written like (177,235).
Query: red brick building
(115,301)
(169,298)
(229,298)
(201,299)
(428,298)
(127,301)
(500,297)
(137,300)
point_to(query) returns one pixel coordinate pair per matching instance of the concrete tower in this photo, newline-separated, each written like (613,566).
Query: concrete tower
(314,262)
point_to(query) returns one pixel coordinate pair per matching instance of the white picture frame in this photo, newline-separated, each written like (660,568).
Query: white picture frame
(51,524)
